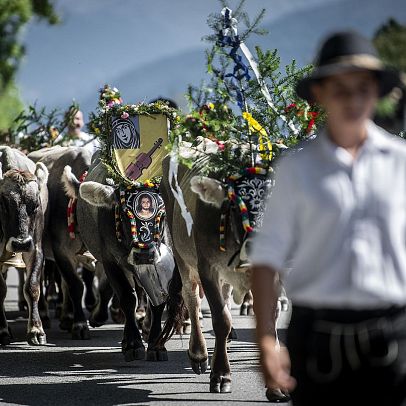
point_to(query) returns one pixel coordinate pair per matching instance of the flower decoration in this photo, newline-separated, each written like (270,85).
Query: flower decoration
(111,105)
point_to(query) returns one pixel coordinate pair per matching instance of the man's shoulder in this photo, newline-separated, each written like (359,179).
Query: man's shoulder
(390,142)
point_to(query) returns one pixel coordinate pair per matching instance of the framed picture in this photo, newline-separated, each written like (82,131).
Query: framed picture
(138,145)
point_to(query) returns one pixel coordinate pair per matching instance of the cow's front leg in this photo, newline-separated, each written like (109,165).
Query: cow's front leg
(226,291)
(132,345)
(32,289)
(220,376)
(154,352)
(247,307)
(72,287)
(22,304)
(197,352)
(5,337)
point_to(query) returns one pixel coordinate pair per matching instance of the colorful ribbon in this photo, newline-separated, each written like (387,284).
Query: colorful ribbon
(235,198)
(71,211)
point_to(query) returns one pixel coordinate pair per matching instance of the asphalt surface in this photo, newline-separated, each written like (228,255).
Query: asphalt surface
(93,372)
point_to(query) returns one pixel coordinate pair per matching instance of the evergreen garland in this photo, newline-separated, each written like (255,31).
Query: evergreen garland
(213,137)
(111,105)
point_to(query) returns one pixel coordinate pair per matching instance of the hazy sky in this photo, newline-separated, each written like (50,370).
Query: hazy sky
(144,45)
(98,38)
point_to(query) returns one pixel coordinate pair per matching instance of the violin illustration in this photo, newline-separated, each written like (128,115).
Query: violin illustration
(142,161)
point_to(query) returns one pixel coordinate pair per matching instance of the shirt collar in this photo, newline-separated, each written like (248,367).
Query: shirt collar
(376,140)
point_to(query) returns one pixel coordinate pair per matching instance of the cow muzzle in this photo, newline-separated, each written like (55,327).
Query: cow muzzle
(20,244)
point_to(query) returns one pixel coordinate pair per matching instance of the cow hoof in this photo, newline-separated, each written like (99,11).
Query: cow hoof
(140,315)
(232,335)
(22,306)
(243,310)
(220,385)
(5,338)
(156,355)
(187,327)
(36,338)
(97,319)
(199,367)
(117,315)
(133,354)
(80,331)
(277,396)
(250,311)
(66,324)
(96,323)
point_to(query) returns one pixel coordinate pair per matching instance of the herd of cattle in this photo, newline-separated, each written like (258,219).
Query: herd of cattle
(35,191)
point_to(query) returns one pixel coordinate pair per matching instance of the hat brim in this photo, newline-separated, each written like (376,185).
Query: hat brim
(387,78)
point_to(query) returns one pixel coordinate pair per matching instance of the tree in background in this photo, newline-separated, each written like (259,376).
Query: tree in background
(390,41)
(14,15)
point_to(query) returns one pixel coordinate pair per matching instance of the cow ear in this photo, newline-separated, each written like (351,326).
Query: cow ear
(209,190)
(41,172)
(97,194)
(70,183)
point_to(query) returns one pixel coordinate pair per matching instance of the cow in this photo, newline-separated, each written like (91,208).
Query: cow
(23,202)
(96,220)
(204,268)
(65,253)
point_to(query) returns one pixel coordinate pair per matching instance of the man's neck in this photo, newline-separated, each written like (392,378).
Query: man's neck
(74,134)
(349,138)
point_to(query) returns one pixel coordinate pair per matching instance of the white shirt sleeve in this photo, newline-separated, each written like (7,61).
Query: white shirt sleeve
(273,243)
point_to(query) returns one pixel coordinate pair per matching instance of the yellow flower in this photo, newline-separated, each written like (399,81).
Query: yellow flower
(265,143)
(148,183)
(211,106)
(54,132)
(97,131)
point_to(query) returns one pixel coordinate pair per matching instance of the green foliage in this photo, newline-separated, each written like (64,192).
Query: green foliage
(10,105)
(390,41)
(14,15)
(288,107)
(35,128)
(214,138)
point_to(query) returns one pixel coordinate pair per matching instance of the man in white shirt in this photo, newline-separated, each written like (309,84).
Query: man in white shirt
(337,214)
(77,137)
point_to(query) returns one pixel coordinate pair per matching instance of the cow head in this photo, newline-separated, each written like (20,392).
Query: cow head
(21,209)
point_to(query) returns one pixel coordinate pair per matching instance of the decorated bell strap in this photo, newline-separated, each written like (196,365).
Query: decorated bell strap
(235,198)
(145,211)
(71,211)
(223,223)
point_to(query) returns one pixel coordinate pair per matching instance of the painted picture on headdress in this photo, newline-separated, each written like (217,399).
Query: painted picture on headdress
(126,133)
(145,206)
(138,144)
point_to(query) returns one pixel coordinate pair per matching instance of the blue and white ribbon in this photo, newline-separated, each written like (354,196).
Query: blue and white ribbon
(228,36)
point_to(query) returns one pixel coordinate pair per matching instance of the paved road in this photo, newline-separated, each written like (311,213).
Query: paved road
(93,372)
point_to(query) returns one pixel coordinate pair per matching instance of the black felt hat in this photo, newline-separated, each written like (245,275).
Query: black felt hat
(347,52)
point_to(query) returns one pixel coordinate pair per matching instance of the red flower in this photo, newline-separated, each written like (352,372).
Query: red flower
(310,125)
(290,107)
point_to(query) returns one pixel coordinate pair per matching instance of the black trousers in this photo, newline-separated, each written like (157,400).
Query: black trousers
(348,357)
